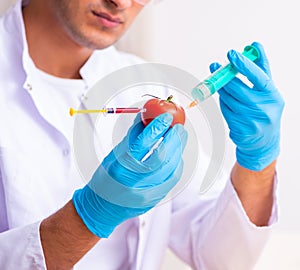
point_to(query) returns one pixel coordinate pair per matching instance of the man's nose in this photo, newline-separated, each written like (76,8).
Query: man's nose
(121,4)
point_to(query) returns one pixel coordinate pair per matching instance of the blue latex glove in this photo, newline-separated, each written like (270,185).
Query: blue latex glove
(124,186)
(252,114)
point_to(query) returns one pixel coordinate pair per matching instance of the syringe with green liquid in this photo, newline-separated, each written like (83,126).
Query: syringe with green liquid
(219,78)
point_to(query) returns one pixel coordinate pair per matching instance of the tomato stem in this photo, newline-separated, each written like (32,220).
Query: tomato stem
(169,98)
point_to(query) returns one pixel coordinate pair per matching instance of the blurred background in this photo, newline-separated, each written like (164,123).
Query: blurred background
(191,34)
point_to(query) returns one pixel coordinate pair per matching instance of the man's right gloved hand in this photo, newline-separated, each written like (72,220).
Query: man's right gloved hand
(124,186)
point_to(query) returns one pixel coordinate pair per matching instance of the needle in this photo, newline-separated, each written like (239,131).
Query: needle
(192,104)
(107,110)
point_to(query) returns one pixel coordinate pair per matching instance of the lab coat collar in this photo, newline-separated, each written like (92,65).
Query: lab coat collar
(99,59)
(91,71)
(88,73)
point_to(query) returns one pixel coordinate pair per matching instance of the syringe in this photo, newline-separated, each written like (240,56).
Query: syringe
(107,110)
(219,78)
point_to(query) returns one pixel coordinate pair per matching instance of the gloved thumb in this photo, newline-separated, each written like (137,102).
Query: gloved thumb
(214,66)
(150,135)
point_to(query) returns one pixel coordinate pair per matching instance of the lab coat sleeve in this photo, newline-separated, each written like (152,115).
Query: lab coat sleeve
(218,234)
(21,248)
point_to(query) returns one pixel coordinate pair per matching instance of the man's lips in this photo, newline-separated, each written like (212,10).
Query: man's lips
(107,20)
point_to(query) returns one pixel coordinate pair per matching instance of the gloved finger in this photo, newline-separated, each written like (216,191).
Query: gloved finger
(167,167)
(176,175)
(263,61)
(232,119)
(136,128)
(226,110)
(241,92)
(241,126)
(183,135)
(245,95)
(242,106)
(235,85)
(214,66)
(150,135)
(133,132)
(160,155)
(176,138)
(157,192)
(249,69)
(169,182)
(164,160)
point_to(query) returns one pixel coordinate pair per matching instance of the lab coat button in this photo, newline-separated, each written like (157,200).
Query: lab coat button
(83,97)
(29,87)
(143,224)
(66,152)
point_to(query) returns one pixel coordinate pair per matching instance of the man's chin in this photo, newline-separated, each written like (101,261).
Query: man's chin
(94,45)
(97,41)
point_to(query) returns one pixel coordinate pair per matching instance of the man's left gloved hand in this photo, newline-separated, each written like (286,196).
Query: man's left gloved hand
(252,113)
(125,185)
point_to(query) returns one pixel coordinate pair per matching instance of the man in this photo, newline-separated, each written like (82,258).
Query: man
(52,51)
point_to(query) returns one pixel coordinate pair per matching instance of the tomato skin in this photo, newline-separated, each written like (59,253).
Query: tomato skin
(156,106)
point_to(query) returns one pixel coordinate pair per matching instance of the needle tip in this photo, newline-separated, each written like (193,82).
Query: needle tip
(72,111)
(193,104)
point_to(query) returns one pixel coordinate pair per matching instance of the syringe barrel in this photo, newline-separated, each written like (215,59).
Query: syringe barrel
(221,77)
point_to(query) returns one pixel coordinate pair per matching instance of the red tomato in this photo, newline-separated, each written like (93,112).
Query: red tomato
(156,106)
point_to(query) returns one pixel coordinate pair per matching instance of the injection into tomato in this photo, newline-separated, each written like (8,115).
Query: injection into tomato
(157,106)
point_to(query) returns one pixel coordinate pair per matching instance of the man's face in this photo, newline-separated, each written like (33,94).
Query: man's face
(95,24)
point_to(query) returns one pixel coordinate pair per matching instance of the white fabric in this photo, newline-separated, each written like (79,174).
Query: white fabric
(38,176)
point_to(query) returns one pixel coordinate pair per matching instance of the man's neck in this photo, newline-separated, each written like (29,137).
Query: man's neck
(50,48)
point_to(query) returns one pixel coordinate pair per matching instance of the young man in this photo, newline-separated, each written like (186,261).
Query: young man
(52,52)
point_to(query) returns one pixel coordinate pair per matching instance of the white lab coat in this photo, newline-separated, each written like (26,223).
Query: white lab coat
(38,176)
